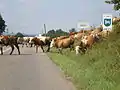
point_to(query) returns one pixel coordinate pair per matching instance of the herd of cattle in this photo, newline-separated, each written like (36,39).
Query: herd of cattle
(28,41)
(84,39)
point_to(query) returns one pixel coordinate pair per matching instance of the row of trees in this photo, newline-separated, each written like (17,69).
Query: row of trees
(52,33)
(58,32)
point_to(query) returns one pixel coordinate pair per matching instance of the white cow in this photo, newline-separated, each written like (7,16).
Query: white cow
(30,41)
(43,38)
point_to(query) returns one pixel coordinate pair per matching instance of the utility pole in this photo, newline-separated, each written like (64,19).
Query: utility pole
(45,29)
(42,31)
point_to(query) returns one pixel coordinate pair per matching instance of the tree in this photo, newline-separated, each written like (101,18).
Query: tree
(72,30)
(60,32)
(57,33)
(51,32)
(19,35)
(2,25)
(116,4)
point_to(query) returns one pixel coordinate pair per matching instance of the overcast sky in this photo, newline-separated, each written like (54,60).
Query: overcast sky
(28,16)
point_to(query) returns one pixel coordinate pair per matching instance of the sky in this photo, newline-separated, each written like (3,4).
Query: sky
(29,16)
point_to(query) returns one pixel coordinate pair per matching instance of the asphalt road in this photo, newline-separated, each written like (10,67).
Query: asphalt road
(30,71)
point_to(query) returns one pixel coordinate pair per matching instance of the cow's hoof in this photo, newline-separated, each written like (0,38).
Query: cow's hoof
(1,54)
(47,51)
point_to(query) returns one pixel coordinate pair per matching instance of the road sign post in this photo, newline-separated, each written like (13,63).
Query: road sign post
(107,21)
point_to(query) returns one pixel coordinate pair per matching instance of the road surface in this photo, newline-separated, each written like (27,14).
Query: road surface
(30,71)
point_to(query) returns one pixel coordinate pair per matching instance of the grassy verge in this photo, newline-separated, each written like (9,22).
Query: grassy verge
(99,69)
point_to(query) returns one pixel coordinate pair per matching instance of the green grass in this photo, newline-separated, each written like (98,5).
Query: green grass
(98,69)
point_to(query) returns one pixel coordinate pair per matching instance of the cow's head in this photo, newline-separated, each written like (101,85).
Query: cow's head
(31,41)
(52,44)
(34,40)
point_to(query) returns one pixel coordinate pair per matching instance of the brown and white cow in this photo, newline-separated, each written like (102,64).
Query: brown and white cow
(78,36)
(42,41)
(90,40)
(25,41)
(9,41)
(62,37)
(115,20)
(87,42)
(62,43)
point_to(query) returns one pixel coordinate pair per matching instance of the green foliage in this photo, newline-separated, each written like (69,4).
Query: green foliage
(2,25)
(98,69)
(19,35)
(116,4)
(57,33)
(72,30)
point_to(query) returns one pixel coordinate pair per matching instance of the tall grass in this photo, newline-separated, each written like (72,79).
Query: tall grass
(98,69)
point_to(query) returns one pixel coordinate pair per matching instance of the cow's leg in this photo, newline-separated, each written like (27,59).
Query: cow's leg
(26,44)
(82,50)
(71,47)
(16,45)
(60,50)
(42,48)
(31,44)
(1,49)
(37,48)
(48,48)
(22,45)
(12,46)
